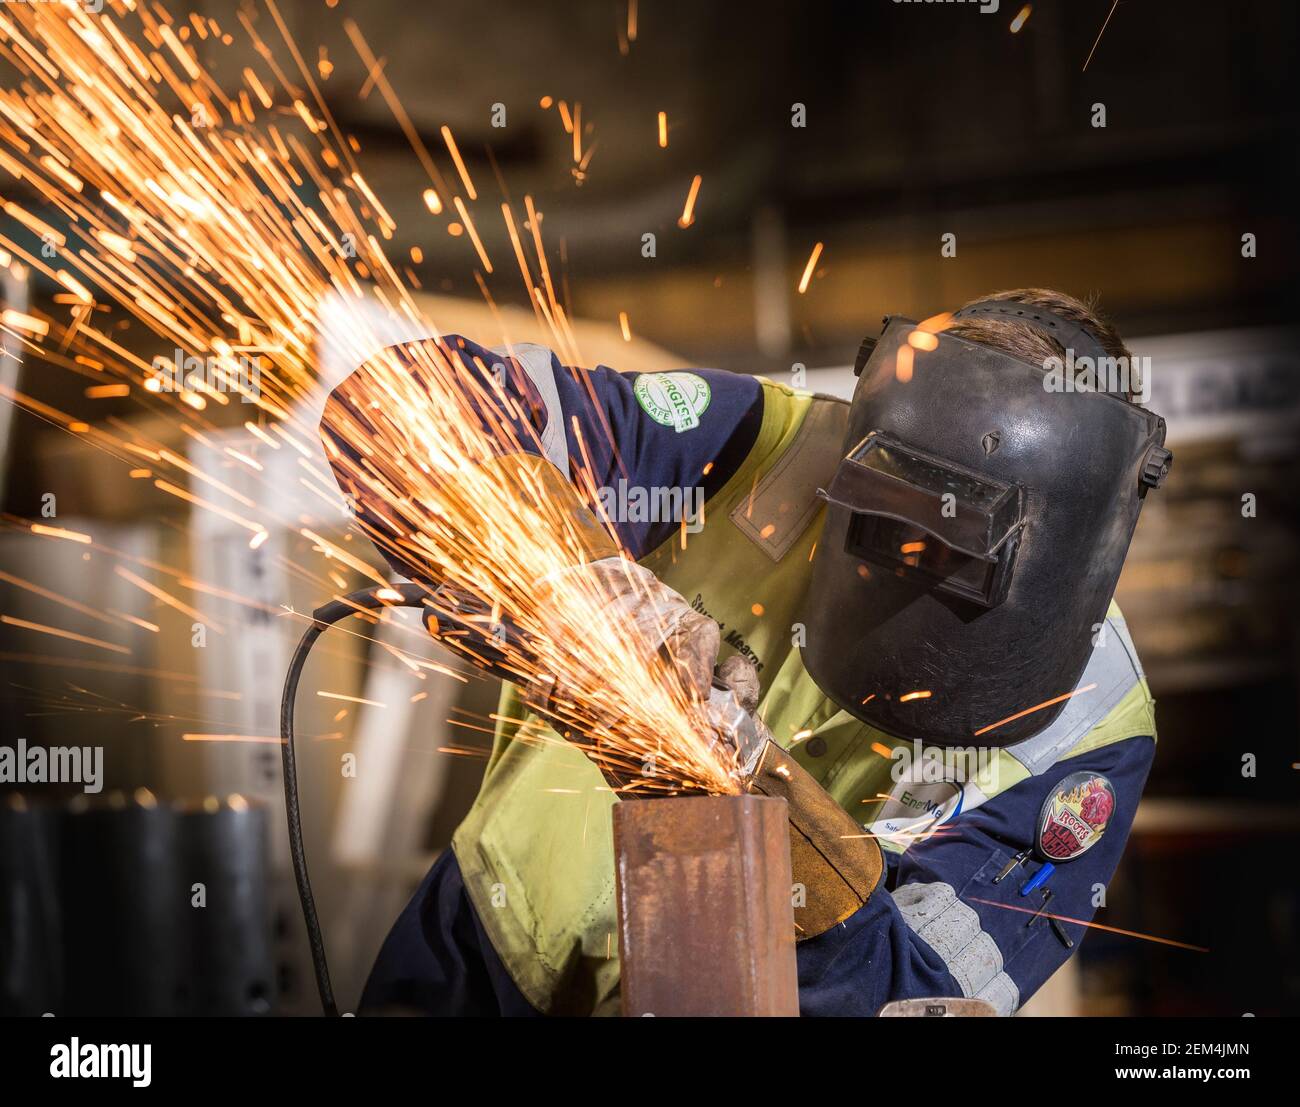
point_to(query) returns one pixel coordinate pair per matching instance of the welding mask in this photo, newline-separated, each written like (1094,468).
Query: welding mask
(975,528)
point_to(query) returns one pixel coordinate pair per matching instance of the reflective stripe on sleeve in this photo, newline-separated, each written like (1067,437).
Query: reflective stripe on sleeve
(952,929)
(536,362)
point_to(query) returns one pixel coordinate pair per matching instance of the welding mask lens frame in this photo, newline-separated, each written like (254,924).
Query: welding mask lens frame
(927,518)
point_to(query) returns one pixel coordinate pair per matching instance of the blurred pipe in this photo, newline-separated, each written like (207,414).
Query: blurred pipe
(29,916)
(231,962)
(771,284)
(163,907)
(121,891)
(15,297)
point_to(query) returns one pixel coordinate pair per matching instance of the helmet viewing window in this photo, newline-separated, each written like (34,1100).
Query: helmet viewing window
(929,518)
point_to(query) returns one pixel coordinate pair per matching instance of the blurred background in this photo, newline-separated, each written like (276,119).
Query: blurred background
(855,135)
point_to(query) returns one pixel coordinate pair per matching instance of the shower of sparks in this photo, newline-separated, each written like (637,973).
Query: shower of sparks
(224,223)
(1105,24)
(810,268)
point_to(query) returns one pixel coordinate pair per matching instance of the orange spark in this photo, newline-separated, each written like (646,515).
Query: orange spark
(16,622)
(20,321)
(1036,707)
(1104,25)
(459,162)
(809,268)
(1092,925)
(143,624)
(473,234)
(59,532)
(688,212)
(266,738)
(54,597)
(936,323)
(350,699)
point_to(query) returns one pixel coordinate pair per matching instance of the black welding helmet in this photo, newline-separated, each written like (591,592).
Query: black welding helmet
(975,529)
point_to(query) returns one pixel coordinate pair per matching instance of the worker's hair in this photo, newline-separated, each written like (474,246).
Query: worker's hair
(1028,342)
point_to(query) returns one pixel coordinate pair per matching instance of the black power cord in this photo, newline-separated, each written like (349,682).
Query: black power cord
(368,599)
(456,633)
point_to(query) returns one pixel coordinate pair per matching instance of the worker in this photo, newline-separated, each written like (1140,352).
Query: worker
(910,593)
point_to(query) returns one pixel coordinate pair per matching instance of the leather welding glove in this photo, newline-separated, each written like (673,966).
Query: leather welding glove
(663,622)
(835,862)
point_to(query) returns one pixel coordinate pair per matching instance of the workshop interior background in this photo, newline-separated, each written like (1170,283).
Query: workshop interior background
(920,121)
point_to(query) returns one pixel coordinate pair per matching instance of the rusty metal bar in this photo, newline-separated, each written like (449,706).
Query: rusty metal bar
(705,919)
